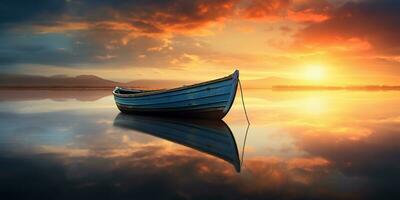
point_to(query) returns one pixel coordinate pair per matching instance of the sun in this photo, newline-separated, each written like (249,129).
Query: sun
(315,73)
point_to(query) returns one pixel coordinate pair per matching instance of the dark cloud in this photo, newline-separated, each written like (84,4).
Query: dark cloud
(149,16)
(45,49)
(19,11)
(372,21)
(178,13)
(93,33)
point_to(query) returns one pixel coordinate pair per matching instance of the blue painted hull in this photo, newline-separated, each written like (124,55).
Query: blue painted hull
(211,99)
(209,136)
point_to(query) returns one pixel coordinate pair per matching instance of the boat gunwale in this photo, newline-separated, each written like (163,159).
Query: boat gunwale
(153,92)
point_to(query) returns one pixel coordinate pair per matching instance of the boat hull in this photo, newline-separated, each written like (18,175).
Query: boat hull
(212,99)
(207,114)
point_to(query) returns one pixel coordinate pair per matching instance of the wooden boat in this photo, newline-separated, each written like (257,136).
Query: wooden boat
(211,99)
(212,137)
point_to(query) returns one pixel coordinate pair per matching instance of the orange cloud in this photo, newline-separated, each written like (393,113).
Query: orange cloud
(365,25)
(306,16)
(298,11)
(265,9)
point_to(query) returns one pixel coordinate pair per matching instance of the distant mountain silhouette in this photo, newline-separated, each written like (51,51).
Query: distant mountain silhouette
(32,81)
(82,81)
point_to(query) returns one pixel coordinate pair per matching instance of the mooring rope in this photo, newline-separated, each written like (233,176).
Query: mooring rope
(248,122)
(244,107)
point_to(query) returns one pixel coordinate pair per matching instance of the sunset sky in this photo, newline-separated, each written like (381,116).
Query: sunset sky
(323,41)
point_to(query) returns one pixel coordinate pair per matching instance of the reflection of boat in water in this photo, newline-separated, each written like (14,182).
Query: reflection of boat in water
(212,137)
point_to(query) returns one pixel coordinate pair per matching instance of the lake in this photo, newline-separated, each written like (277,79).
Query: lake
(300,145)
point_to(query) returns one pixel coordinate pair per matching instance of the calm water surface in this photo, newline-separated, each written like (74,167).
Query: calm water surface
(301,145)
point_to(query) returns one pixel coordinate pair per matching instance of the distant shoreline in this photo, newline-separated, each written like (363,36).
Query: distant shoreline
(54,88)
(321,88)
(274,88)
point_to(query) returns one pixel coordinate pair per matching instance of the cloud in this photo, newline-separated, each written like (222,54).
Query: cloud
(293,10)
(121,34)
(369,25)
(94,33)
(147,16)
(264,9)
(21,12)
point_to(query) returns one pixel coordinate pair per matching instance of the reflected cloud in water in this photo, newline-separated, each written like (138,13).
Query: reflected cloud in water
(346,148)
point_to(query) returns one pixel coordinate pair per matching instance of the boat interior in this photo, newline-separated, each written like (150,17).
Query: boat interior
(128,91)
(119,90)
